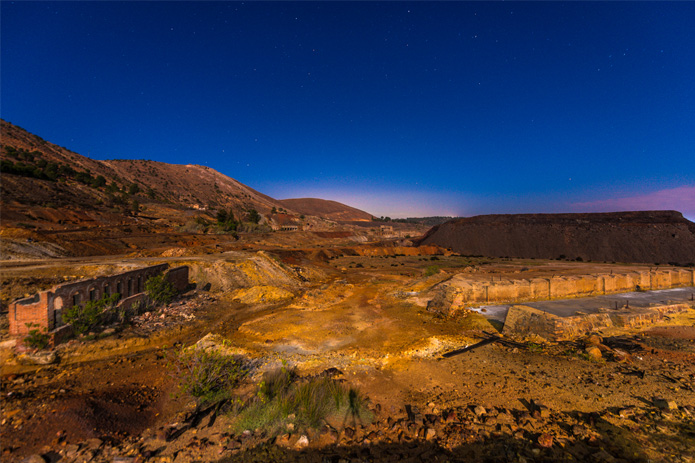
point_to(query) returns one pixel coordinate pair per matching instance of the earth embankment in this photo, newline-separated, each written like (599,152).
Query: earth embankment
(655,237)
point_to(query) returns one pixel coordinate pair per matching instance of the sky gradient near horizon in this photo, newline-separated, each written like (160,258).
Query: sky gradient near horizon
(400,109)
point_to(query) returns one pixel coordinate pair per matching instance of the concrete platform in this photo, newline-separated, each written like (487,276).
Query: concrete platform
(596,304)
(572,318)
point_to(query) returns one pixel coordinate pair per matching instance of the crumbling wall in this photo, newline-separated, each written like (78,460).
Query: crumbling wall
(178,277)
(44,310)
(31,311)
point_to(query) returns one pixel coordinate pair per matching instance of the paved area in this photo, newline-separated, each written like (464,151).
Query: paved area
(570,307)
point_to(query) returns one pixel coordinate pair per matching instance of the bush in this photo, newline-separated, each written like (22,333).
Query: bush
(276,382)
(85,318)
(431,270)
(253,216)
(209,376)
(159,289)
(283,397)
(37,337)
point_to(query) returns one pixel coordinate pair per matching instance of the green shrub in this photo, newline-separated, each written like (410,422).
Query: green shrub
(276,382)
(84,318)
(37,337)
(209,376)
(431,270)
(159,289)
(283,398)
(253,216)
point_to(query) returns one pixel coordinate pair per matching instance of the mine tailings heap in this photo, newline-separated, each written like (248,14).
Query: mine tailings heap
(654,237)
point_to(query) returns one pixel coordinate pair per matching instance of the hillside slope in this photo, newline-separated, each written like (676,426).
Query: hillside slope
(331,210)
(649,236)
(38,173)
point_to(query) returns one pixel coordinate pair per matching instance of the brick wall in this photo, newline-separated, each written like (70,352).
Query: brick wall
(45,308)
(178,277)
(29,310)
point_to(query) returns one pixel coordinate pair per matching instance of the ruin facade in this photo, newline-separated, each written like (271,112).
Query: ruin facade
(44,310)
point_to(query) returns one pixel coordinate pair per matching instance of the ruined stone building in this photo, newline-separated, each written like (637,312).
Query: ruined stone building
(44,309)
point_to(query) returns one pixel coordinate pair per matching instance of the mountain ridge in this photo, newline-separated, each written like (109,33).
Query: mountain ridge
(48,176)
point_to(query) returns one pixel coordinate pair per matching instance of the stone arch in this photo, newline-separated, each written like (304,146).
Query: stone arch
(93,293)
(119,287)
(76,298)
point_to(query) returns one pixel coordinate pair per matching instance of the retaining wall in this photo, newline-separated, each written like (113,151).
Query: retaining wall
(463,291)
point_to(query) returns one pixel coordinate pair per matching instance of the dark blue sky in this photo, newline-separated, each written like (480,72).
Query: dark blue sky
(401,109)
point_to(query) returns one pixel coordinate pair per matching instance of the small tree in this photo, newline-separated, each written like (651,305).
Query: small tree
(37,337)
(159,289)
(254,216)
(221,216)
(85,318)
(99,181)
(133,189)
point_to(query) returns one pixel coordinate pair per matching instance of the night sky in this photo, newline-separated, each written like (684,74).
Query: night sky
(400,109)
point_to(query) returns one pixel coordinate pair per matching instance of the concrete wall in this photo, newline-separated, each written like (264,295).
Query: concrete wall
(45,309)
(478,292)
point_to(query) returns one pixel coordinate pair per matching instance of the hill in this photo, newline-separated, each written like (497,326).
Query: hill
(331,210)
(57,202)
(657,237)
(43,175)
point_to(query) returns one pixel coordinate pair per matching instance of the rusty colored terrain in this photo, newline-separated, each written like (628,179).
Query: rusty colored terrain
(67,204)
(348,307)
(346,298)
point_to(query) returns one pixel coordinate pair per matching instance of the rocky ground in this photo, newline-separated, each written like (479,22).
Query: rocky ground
(614,396)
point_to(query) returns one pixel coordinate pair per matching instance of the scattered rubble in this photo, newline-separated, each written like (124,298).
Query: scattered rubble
(178,312)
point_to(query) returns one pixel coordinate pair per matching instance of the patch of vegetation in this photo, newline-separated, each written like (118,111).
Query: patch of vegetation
(431,270)
(253,216)
(535,348)
(283,398)
(37,337)
(226,223)
(87,317)
(207,375)
(159,289)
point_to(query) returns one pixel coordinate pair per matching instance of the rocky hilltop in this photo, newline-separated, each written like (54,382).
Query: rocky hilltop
(658,237)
